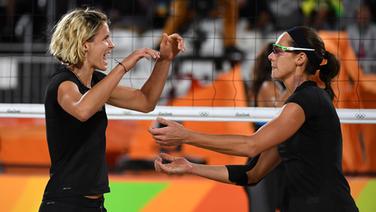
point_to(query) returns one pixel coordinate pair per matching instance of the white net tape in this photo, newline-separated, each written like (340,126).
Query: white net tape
(240,114)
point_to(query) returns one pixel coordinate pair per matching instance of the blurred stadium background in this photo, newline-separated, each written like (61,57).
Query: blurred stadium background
(210,73)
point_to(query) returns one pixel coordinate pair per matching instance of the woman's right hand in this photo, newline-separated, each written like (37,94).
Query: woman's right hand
(130,61)
(171,45)
(172,135)
(175,165)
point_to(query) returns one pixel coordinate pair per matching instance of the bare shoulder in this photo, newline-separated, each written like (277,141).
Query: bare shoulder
(292,112)
(68,90)
(289,120)
(67,86)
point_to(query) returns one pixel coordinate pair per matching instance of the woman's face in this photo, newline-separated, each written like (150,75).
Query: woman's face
(283,63)
(99,49)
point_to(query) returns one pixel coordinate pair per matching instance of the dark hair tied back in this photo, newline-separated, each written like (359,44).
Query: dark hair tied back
(328,71)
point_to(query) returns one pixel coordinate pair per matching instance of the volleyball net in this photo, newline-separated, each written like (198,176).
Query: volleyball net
(203,85)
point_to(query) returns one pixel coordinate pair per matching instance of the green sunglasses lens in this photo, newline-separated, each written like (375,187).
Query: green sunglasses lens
(277,49)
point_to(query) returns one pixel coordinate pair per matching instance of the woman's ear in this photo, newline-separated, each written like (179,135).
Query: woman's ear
(85,47)
(301,58)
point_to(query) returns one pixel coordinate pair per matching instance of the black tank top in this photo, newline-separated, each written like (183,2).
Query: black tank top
(77,149)
(313,157)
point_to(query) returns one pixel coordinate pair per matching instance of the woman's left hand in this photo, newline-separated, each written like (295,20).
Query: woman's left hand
(176,165)
(170,46)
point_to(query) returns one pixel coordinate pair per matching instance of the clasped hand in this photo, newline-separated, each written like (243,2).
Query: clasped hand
(171,135)
(170,46)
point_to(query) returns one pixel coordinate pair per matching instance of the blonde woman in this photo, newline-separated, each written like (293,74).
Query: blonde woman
(74,103)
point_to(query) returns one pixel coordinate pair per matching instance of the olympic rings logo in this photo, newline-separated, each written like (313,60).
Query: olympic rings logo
(204,114)
(360,116)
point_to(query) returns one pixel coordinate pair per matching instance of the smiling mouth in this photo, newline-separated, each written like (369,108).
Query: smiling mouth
(106,55)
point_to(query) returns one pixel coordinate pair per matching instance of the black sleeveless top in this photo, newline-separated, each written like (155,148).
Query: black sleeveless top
(313,157)
(77,149)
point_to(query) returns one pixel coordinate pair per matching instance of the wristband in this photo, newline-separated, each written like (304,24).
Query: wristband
(238,173)
(122,65)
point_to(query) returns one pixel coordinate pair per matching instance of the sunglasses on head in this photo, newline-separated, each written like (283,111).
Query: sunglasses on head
(279,49)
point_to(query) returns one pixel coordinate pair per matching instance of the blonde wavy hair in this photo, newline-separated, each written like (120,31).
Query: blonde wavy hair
(72,31)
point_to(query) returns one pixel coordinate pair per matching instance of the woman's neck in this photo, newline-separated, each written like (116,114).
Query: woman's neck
(84,74)
(294,81)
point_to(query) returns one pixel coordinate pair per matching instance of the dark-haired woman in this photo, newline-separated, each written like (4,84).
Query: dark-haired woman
(305,137)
